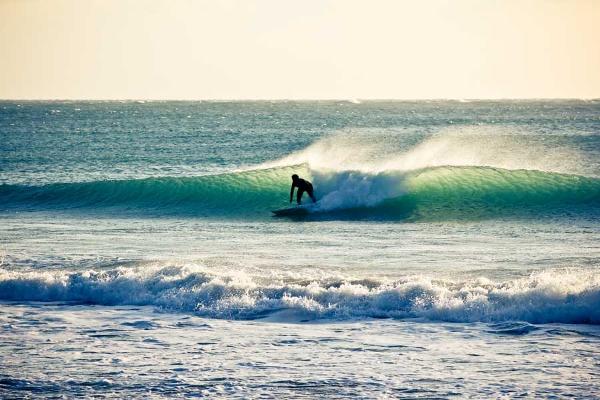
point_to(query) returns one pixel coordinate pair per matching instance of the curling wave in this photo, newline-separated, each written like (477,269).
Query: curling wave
(437,193)
(551,296)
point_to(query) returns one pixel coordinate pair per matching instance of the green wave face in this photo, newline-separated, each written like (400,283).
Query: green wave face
(236,194)
(483,192)
(439,193)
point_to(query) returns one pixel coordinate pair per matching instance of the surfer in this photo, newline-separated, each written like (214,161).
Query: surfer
(303,186)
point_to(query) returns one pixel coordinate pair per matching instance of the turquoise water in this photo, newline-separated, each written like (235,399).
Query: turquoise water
(448,234)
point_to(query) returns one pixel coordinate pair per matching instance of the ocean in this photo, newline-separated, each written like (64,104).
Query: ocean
(454,250)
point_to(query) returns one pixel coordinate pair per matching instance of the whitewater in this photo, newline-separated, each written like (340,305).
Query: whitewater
(453,244)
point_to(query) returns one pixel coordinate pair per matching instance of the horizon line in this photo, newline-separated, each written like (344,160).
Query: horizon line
(347,99)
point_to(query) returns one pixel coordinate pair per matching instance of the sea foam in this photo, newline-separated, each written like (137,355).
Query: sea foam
(561,296)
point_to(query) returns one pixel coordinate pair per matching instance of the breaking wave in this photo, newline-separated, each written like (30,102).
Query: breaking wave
(550,296)
(443,192)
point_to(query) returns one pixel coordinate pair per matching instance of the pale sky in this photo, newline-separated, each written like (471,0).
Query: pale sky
(304,49)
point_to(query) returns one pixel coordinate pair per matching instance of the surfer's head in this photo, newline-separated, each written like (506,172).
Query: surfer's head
(295,177)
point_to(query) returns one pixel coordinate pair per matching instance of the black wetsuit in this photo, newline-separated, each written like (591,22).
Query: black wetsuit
(303,186)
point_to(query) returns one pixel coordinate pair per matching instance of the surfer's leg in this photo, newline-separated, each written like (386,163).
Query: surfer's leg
(299,196)
(311,194)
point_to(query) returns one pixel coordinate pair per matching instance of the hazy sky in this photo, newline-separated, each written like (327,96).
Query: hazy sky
(269,49)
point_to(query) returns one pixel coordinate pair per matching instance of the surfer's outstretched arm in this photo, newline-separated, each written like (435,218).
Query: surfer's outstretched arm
(292,192)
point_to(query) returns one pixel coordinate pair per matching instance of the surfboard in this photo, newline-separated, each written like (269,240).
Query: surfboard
(295,211)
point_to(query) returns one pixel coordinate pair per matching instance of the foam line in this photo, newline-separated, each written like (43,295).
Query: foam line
(551,296)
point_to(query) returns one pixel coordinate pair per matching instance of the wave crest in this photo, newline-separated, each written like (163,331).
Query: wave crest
(438,193)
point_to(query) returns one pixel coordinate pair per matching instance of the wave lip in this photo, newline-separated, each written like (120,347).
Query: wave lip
(551,296)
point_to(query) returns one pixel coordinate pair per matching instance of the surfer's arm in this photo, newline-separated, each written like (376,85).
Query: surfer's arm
(292,192)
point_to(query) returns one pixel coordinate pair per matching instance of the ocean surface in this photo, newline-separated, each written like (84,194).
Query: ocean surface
(454,250)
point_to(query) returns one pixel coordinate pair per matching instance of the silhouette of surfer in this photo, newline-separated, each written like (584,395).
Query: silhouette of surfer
(303,186)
